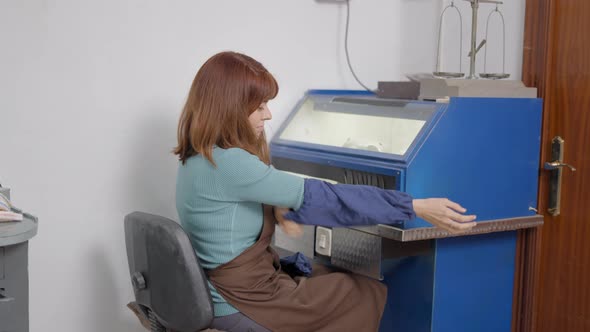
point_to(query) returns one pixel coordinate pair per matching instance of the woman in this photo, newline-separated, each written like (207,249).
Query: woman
(224,180)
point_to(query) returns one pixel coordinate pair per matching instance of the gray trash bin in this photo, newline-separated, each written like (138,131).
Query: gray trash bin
(14,272)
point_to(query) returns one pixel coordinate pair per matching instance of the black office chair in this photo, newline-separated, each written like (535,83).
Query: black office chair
(170,287)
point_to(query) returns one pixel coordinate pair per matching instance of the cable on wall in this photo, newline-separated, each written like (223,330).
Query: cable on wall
(346,47)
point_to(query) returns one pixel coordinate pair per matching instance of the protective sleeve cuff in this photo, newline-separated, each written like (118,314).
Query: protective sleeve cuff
(344,205)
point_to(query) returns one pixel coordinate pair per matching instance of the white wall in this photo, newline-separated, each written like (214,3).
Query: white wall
(90,93)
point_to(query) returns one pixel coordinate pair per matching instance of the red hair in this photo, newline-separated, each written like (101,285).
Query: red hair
(225,91)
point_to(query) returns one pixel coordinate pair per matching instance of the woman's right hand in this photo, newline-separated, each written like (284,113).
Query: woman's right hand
(444,213)
(289,227)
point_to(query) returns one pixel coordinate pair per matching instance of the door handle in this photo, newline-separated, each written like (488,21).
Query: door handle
(556,167)
(557,164)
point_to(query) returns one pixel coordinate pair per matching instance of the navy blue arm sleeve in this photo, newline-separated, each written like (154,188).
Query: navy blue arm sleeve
(343,205)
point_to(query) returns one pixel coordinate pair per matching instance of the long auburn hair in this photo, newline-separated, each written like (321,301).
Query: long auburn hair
(225,91)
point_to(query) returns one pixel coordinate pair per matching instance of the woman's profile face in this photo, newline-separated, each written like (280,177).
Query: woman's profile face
(257,118)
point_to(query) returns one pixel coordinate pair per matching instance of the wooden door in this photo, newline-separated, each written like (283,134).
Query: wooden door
(552,290)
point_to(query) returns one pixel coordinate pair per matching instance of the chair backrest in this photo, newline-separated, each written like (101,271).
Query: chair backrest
(166,274)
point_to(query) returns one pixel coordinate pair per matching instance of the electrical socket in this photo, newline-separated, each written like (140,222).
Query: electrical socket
(323,241)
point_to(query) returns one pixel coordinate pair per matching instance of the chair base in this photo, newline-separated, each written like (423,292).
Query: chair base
(142,314)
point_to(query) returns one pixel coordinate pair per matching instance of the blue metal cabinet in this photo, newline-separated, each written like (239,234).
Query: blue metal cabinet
(480,152)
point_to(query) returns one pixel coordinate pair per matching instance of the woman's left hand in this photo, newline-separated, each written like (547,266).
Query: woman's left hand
(289,227)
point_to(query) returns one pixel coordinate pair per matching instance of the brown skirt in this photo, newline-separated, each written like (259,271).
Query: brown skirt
(254,283)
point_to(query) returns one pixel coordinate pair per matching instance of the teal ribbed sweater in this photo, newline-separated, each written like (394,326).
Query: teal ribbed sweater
(221,207)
